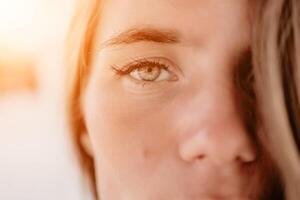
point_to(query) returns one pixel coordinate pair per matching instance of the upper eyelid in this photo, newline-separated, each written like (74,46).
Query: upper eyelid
(146,61)
(171,66)
(128,68)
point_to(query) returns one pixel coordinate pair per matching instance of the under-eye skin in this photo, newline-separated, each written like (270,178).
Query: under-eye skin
(147,71)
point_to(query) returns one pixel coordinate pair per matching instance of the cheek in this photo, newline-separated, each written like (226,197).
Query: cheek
(127,134)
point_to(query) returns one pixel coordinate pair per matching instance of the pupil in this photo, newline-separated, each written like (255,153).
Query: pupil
(149,69)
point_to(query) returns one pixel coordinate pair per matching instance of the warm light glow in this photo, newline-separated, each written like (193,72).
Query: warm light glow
(17,72)
(15,14)
(29,25)
(17,20)
(34,157)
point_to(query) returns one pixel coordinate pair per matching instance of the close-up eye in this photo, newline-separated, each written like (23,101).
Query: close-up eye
(147,71)
(150,73)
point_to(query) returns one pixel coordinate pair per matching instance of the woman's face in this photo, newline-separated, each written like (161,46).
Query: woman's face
(161,104)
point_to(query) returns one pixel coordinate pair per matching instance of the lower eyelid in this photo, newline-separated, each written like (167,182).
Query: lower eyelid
(145,86)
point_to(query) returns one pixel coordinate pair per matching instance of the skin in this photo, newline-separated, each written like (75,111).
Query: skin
(182,137)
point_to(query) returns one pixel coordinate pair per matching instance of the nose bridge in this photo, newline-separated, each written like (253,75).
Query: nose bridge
(220,101)
(219,104)
(221,136)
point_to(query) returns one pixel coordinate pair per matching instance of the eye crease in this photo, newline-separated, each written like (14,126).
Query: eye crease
(146,70)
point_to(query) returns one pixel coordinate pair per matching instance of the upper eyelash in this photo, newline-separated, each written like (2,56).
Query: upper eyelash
(135,64)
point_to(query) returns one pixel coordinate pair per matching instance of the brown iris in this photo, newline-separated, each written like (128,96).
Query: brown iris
(149,73)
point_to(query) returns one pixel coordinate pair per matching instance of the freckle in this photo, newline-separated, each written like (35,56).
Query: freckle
(146,154)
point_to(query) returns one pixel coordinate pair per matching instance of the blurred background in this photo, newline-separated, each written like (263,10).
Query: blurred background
(36,161)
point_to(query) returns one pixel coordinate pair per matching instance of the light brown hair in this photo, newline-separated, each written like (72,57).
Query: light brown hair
(276,56)
(79,46)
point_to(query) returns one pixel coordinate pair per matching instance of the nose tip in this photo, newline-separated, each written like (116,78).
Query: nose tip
(192,149)
(220,150)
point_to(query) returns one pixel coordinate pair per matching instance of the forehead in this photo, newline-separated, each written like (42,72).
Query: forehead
(195,20)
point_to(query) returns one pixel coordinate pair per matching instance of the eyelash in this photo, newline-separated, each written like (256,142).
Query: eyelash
(136,64)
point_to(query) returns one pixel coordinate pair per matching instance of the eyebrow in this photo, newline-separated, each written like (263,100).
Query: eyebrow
(143,34)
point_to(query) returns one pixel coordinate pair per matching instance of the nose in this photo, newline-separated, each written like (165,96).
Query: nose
(222,149)
(219,136)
